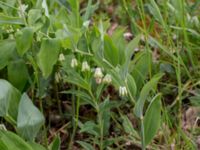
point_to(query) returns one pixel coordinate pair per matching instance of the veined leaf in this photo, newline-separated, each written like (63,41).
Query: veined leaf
(34,15)
(111,53)
(29,120)
(128,127)
(144,94)
(12,141)
(85,145)
(85,98)
(131,85)
(154,9)
(91,128)
(7,48)
(105,107)
(152,119)
(48,55)
(18,74)
(76,79)
(9,100)
(36,146)
(10,20)
(24,40)
(141,67)
(90,10)
(131,47)
(55,145)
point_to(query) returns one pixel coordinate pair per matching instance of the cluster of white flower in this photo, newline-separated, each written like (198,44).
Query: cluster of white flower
(98,74)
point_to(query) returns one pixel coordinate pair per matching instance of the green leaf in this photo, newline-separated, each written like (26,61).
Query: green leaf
(10,20)
(9,100)
(76,79)
(149,86)
(118,77)
(105,114)
(155,11)
(24,40)
(90,10)
(91,128)
(18,68)
(7,48)
(131,47)
(33,16)
(69,36)
(29,120)
(74,5)
(36,146)
(12,141)
(131,85)
(119,42)
(195,100)
(85,98)
(141,68)
(111,53)
(2,145)
(85,145)
(48,55)
(152,119)
(128,127)
(45,7)
(55,145)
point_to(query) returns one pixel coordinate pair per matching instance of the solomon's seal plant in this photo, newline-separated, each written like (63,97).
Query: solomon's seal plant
(99,75)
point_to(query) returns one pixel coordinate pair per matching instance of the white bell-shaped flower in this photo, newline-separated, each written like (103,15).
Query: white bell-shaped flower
(61,57)
(98,73)
(122,91)
(85,66)
(74,62)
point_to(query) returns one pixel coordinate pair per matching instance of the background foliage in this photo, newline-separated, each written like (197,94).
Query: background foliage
(104,74)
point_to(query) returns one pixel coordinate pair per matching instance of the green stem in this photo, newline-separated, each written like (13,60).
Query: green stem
(101,129)
(142,133)
(9,119)
(77,109)
(44,127)
(58,100)
(73,121)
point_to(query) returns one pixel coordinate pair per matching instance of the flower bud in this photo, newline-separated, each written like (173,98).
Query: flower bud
(74,62)
(85,66)
(98,73)
(122,91)
(61,57)
(107,79)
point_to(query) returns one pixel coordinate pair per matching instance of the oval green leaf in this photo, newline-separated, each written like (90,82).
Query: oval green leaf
(152,119)
(48,55)
(29,120)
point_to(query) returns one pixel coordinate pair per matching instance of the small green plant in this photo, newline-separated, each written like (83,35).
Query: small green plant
(79,74)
